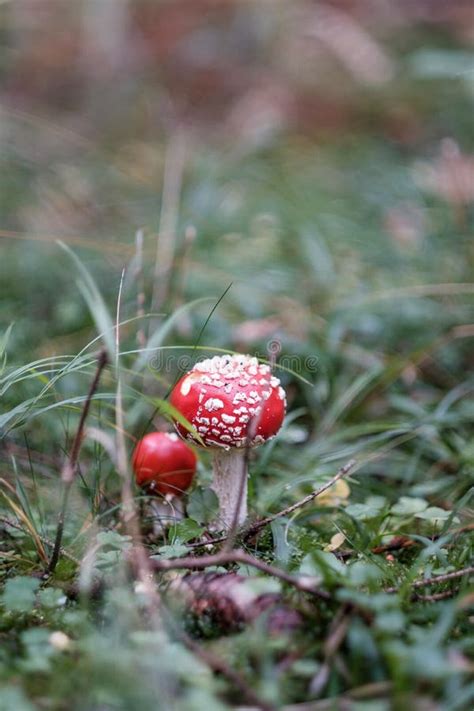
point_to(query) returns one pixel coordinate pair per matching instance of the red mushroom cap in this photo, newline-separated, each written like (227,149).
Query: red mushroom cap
(230,399)
(163,463)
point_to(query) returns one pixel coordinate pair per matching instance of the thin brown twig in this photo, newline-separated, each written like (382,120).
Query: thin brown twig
(141,561)
(401,542)
(437,580)
(435,597)
(302,583)
(256,527)
(69,470)
(207,542)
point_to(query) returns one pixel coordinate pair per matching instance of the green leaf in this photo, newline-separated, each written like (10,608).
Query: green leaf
(391,622)
(163,407)
(176,550)
(262,586)
(361,573)
(281,546)
(51,598)
(186,530)
(362,512)
(203,505)
(408,506)
(435,514)
(19,594)
(322,563)
(38,650)
(12,698)
(114,540)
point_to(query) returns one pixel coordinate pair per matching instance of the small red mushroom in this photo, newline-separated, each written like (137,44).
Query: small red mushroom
(233,402)
(164,464)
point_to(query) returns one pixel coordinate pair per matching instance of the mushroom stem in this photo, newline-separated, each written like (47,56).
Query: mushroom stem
(230,485)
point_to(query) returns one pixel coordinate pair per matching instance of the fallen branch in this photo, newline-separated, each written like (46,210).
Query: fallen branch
(437,580)
(302,583)
(305,584)
(398,543)
(435,597)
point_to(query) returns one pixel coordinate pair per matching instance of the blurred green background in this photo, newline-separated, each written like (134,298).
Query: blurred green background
(312,163)
(318,153)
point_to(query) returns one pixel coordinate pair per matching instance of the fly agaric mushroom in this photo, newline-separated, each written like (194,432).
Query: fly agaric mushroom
(233,402)
(164,464)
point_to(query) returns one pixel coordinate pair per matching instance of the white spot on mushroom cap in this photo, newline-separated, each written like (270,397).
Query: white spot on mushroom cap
(228,419)
(239,397)
(186,386)
(213,403)
(241,409)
